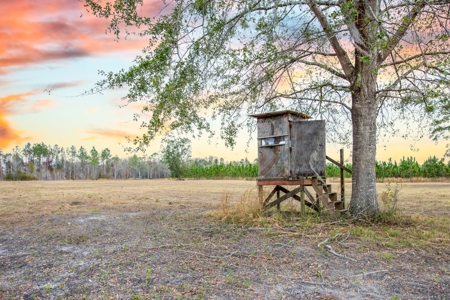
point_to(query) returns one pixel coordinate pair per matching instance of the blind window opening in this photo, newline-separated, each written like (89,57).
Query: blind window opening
(273,141)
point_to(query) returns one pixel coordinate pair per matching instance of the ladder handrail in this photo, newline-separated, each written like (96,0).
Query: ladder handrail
(338,164)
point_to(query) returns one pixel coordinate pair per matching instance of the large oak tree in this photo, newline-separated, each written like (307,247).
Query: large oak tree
(358,62)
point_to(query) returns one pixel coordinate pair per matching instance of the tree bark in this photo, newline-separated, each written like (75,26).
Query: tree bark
(364,115)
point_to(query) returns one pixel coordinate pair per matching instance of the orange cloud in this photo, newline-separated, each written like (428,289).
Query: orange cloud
(42,104)
(46,30)
(62,85)
(6,83)
(7,103)
(109,133)
(90,138)
(91,110)
(7,134)
(13,105)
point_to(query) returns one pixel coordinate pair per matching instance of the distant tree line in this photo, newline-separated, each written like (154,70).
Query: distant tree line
(46,162)
(408,167)
(215,168)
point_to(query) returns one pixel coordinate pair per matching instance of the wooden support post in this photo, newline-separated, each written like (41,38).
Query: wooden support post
(342,178)
(278,196)
(260,195)
(302,201)
(282,198)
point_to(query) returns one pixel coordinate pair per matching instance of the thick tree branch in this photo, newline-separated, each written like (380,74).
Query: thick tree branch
(414,57)
(344,60)
(323,66)
(383,94)
(401,30)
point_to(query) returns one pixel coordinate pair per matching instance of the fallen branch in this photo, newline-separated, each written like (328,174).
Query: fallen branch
(370,273)
(284,245)
(167,246)
(348,235)
(337,254)
(323,242)
(303,281)
(327,240)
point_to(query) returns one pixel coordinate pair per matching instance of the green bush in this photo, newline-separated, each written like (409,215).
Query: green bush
(19,176)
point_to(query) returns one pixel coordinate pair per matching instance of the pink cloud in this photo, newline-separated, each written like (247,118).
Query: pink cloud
(42,104)
(33,32)
(109,133)
(62,85)
(91,110)
(8,135)
(15,104)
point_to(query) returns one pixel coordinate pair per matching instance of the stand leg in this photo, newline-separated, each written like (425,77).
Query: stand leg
(302,201)
(260,195)
(341,152)
(278,196)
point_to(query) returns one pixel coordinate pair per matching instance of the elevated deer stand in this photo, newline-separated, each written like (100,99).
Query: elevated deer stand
(291,152)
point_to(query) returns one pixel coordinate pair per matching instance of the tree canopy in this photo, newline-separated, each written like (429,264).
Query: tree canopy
(176,154)
(359,64)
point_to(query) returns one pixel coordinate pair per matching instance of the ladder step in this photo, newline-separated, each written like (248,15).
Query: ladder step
(338,205)
(332,196)
(326,187)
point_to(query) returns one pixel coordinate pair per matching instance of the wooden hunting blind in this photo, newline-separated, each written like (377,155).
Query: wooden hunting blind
(290,146)
(291,151)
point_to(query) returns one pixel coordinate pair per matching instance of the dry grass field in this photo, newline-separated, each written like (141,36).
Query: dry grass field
(200,239)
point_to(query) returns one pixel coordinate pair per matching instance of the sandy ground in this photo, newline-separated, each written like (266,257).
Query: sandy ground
(156,240)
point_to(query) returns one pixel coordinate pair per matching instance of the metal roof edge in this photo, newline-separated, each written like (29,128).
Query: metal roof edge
(280,112)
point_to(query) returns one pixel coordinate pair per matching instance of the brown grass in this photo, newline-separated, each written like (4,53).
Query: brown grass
(421,218)
(167,239)
(20,201)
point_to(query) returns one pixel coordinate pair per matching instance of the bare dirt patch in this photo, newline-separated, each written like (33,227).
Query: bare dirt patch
(157,240)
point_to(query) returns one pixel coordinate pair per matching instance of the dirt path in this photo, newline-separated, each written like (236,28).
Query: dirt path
(176,251)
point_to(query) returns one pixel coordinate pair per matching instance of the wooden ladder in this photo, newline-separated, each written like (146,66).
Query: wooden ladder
(327,198)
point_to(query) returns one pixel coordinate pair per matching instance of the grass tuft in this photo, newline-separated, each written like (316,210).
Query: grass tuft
(246,211)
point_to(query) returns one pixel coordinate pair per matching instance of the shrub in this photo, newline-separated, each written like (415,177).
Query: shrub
(19,176)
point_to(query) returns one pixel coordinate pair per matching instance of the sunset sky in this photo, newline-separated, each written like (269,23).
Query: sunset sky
(56,45)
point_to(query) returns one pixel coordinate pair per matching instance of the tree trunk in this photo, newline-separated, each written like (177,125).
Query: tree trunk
(364,114)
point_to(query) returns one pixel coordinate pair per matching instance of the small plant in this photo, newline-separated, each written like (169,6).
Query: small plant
(148,275)
(47,288)
(388,257)
(96,252)
(185,286)
(279,295)
(389,198)
(82,239)
(231,277)
(247,282)
(103,274)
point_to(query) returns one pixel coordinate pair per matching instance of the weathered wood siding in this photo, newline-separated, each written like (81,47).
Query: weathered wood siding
(273,161)
(308,148)
(289,146)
